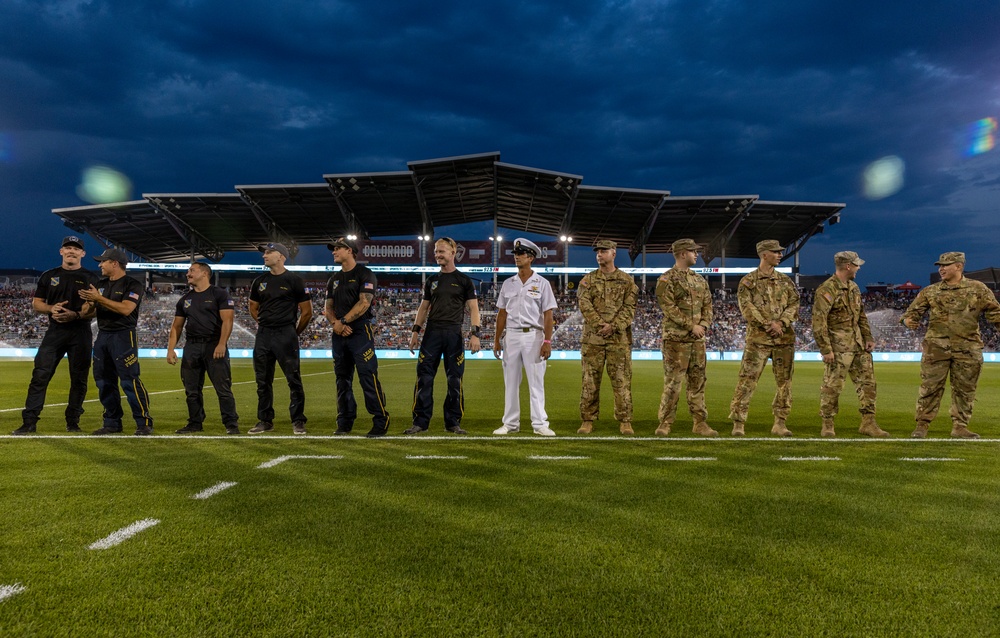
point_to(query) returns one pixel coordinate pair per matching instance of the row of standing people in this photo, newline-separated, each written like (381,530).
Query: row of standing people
(769,302)
(72,296)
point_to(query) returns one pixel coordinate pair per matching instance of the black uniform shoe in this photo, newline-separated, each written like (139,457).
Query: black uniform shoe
(342,430)
(416,429)
(375,433)
(24,429)
(73,427)
(144,431)
(106,430)
(262,426)
(233,429)
(457,430)
(299,427)
(187,429)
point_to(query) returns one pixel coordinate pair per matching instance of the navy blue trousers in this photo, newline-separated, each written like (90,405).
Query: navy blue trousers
(116,361)
(438,344)
(356,352)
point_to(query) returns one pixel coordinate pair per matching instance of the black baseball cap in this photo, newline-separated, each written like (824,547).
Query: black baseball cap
(343,242)
(72,240)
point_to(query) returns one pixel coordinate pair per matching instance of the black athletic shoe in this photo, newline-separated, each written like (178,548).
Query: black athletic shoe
(341,431)
(24,429)
(375,433)
(73,427)
(106,430)
(144,431)
(233,429)
(262,426)
(299,427)
(457,430)
(188,429)
(416,429)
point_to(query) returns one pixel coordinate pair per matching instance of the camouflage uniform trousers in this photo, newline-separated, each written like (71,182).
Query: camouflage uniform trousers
(618,361)
(683,361)
(755,357)
(935,366)
(862,371)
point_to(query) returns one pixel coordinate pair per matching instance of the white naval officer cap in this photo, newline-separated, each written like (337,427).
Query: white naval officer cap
(522,245)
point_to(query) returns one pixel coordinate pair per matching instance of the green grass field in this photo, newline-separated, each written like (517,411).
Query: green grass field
(516,536)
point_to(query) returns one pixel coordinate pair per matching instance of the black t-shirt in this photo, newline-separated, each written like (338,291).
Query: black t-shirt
(447,292)
(201,310)
(123,289)
(345,289)
(59,284)
(279,297)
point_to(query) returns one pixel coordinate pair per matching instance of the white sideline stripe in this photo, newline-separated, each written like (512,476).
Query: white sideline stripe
(124,534)
(926,459)
(6,591)
(559,458)
(412,457)
(215,489)
(282,459)
(809,458)
(687,458)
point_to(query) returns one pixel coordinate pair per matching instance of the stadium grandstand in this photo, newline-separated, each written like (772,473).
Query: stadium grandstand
(177,228)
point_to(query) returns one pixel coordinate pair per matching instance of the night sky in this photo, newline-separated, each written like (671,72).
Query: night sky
(791,101)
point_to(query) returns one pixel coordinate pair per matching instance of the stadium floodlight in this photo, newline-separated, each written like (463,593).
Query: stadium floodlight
(352,237)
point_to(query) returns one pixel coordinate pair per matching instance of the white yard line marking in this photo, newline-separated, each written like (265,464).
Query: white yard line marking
(6,591)
(412,457)
(215,489)
(282,459)
(926,459)
(809,458)
(124,534)
(558,458)
(687,458)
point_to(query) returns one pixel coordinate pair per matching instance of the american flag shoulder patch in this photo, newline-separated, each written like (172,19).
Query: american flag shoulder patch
(231,303)
(828,297)
(369,286)
(133,295)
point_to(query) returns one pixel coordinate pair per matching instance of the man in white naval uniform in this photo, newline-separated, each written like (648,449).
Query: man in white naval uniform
(524,330)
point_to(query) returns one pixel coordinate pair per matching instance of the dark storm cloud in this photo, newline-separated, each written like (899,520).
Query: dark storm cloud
(788,100)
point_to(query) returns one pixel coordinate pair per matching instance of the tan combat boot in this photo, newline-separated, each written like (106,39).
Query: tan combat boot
(921,430)
(870,428)
(702,429)
(827,430)
(962,432)
(779,428)
(586,427)
(738,428)
(626,428)
(663,430)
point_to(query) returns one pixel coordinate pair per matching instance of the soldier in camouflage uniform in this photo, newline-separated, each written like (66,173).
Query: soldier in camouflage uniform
(686,303)
(607,299)
(952,345)
(770,304)
(843,336)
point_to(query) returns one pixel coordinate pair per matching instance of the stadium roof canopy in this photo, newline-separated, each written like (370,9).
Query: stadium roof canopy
(444,192)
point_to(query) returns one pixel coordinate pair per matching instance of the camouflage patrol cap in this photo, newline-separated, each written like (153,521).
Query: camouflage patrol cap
(684,244)
(848,257)
(769,245)
(950,258)
(605,244)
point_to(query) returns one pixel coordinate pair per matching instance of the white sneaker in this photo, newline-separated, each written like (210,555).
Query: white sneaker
(505,429)
(544,432)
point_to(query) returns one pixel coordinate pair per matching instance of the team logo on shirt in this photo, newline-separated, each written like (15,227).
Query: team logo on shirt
(55,281)
(187,304)
(335,284)
(434,286)
(100,290)
(262,286)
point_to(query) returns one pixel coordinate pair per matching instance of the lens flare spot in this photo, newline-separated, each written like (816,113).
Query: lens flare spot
(980,136)
(103,185)
(884,177)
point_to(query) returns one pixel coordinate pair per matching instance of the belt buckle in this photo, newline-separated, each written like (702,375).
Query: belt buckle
(525,329)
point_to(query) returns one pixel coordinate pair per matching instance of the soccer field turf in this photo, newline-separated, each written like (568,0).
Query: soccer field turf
(516,536)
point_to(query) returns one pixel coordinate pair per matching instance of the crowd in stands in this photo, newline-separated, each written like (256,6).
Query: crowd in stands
(395,311)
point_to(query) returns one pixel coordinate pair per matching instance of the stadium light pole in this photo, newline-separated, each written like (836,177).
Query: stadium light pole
(497,247)
(566,241)
(423,239)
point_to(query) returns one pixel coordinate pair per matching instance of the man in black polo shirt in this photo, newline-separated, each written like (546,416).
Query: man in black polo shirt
(349,297)
(276,297)
(57,295)
(116,354)
(208,312)
(447,295)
